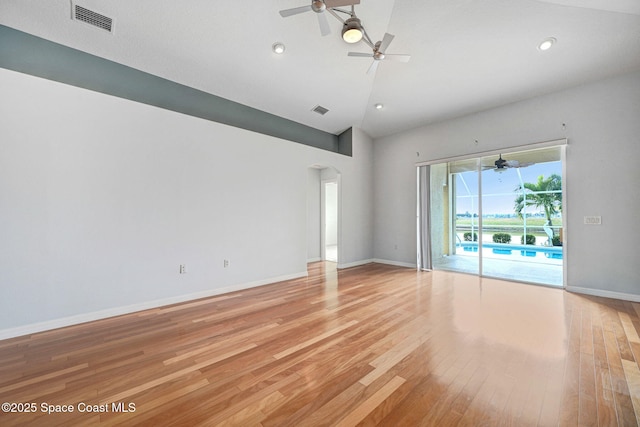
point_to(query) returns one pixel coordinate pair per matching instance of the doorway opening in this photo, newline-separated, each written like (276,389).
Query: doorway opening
(330,220)
(323,215)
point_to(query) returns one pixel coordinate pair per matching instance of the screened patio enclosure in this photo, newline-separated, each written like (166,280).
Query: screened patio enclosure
(496,222)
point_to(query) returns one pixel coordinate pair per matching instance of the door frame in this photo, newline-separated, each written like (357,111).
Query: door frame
(560,143)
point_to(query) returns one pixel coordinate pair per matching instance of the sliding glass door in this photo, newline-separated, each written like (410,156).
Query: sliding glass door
(500,216)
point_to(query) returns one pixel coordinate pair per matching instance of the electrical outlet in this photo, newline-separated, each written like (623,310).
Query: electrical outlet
(593,220)
(183,268)
(226,263)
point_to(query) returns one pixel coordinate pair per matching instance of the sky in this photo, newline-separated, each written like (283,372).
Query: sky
(498,188)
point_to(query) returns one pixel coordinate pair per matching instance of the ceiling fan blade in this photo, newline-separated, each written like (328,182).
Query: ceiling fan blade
(295,11)
(359,54)
(620,6)
(340,3)
(324,24)
(517,164)
(386,41)
(397,57)
(373,67)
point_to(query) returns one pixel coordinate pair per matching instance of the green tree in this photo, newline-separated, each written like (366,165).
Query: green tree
(539,195)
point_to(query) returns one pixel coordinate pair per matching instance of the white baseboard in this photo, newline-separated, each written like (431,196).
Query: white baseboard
(376,260)
(354,264)
(314,260)
(396,263)
(605,294)
(118,311)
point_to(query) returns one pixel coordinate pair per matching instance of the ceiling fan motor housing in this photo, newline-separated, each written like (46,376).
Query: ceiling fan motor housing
(318,6)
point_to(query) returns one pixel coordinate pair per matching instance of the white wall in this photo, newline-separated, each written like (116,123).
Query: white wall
(602,175)
(102,198)
(356,188)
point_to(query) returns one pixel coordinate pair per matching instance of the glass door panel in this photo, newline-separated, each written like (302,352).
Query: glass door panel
(503,222)
(455,214)
(521,205)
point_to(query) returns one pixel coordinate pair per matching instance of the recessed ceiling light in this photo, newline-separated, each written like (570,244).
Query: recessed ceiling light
(379,106)
(278,48)
(547,43)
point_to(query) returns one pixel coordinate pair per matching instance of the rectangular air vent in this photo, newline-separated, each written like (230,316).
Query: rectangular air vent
(320,110)
(92,18)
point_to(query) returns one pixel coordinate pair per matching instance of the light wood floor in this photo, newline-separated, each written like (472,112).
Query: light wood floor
(372,345)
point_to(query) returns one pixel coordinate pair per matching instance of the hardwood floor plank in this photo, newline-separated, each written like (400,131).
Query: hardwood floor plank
(370,345)
(391,358)
(587,405)
(366,407)
(455,379)
(571,388)
(604,395)
(304,401)
(629,330)
(149,405)
(624,406)
(314,340)
(242,412)
(210,349)
(42,378)
(632,374)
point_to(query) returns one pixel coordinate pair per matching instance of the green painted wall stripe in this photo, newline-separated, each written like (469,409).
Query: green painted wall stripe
(33,55)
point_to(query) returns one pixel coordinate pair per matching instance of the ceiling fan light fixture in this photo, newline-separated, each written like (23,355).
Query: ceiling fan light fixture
(547,43)
(352,30)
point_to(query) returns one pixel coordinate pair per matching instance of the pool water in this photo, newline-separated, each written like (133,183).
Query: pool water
(499,250)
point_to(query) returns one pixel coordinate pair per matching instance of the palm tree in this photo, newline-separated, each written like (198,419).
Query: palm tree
(541,194)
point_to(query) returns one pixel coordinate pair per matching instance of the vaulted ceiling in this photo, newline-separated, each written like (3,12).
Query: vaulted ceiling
(466,55)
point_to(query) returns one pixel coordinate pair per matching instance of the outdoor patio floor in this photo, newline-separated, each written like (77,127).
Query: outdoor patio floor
(548,272)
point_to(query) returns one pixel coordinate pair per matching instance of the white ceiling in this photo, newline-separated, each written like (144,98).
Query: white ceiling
(467,55)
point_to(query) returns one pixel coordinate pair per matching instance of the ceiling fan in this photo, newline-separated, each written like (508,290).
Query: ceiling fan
(319,7)
(379,53)
(620,6)
(501,165)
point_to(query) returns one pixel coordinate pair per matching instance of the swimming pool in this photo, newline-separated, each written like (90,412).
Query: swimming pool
(529,251)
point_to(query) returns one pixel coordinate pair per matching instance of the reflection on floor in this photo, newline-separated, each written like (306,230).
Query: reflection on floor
(331,253)
(520,270)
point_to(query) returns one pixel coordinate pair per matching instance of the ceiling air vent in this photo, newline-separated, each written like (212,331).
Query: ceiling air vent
(320,110)
(92,18)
